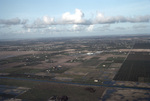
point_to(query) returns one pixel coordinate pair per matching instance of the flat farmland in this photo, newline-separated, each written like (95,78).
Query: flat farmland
(42,91)
(142,46)
(135,68)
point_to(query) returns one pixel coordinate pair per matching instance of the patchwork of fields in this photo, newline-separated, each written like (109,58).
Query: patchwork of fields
(99,70)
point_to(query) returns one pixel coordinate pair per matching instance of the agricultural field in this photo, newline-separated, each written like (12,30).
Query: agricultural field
(142,46)
(121,94)
(42,91)
(136,66)
(11,91)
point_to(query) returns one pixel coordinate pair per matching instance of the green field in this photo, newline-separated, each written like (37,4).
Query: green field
(116,59)
(92,62)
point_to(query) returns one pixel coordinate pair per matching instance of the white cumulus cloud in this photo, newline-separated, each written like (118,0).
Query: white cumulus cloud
(75,27)
(90,28)
(48,20)
(73,18)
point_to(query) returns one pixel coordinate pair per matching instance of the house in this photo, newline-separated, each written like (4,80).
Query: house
(95,80)
(89,53)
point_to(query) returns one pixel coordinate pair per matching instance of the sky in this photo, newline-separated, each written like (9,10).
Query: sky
(69,18)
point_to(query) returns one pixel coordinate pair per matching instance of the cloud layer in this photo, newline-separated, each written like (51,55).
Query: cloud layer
(73,22)
(76,18)
(101,19)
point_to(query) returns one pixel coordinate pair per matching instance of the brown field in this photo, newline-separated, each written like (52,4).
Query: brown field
(6,54)
(120,94)
(117,65)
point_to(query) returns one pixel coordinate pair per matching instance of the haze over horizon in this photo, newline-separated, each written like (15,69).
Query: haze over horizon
(63,18)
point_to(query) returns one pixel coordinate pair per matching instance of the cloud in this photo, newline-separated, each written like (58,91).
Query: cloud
(101,19)
(140,26)
(105,27)
(75,27)
(120,28)
(34,26)
(13,21)
(24,21)
(78,28)
(76,18)
(76,22)
(90,28)
(48,20)
(53,29)
(137,19)
(28,30)
(43,22)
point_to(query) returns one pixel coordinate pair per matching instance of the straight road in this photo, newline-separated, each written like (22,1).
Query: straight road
(79,84)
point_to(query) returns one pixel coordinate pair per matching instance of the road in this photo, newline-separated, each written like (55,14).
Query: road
(79,84)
